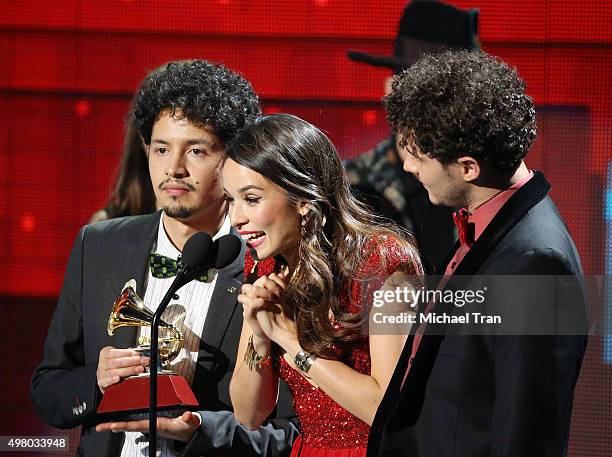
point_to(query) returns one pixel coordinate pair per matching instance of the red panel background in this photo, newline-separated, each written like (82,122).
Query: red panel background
(69,69)
(56,55)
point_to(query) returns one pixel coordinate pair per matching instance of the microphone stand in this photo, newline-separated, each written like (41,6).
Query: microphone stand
(224,251)
(182,278)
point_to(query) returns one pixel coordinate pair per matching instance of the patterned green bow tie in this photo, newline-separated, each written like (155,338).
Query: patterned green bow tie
(165,267)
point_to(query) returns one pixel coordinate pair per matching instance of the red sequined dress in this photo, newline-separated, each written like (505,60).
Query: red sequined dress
(329,430)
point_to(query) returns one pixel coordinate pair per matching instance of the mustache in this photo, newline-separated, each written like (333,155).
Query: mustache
(178,183)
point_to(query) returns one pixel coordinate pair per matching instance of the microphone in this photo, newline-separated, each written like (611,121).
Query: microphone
(225,250)
(196,253)
(196,249)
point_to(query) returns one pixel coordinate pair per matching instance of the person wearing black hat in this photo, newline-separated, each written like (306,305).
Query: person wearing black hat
(376,176)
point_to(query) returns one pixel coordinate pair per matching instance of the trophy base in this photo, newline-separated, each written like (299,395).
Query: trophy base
(132,396)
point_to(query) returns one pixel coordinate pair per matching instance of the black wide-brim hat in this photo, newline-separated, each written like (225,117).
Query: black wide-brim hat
(426,27)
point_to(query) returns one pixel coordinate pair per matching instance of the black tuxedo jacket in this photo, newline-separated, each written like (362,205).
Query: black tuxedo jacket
(492,395)
(64,386)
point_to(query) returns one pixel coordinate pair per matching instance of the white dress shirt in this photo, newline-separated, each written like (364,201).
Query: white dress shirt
(187,312)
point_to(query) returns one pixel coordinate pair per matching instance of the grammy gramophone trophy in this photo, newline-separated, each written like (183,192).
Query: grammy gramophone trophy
(131,395)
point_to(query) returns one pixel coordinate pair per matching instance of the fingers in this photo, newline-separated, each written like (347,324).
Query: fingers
(250,305)
(105,427)
(282,276)
(126,362)
(181,428)
(110,352)
(260,281)
(253,301)
(106,381)
(268,287)
(108,378)
(274,283)
(192,420)
(114,364)
(128,426)
(111,357)
(279,280)
(118,373)
(270,292)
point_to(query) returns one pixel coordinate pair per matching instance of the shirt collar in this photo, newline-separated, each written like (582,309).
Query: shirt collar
(165,246)
(484,214)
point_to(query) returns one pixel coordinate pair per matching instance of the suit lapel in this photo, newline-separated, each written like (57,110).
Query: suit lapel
(525,198)
(441,268)
(136,249)
(223,304)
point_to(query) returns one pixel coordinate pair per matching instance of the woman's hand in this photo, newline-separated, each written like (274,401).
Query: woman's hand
(260,303)
(251,302)
(254,392)
(281,328)
(262,294)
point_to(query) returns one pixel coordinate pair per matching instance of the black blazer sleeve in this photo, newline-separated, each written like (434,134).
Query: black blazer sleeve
(535,375)
(64,390)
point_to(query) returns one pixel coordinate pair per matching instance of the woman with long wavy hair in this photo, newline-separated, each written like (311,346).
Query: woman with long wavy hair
(306,324)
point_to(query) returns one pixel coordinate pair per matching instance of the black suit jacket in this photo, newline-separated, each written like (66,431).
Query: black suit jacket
(64,386)
(492,395)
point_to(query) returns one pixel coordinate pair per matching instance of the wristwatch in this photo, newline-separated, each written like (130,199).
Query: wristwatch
(303,360)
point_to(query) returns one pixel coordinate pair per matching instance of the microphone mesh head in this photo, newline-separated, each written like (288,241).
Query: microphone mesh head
(196,249)
(227,250)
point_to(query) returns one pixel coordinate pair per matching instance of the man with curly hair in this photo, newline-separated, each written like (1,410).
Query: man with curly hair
(467,124)
(376,176)
(184,112)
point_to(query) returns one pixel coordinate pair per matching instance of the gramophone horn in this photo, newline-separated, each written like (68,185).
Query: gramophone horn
(130,311)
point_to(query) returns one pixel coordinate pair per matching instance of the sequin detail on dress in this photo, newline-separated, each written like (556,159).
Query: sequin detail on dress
(324,423)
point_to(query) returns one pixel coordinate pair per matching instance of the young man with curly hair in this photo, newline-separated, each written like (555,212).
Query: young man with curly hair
(184,112)
(376,176)
(467,124)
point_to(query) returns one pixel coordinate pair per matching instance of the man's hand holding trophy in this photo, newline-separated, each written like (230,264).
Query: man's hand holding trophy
(123,374)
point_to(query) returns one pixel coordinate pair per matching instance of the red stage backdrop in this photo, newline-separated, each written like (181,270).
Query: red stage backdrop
(69,69)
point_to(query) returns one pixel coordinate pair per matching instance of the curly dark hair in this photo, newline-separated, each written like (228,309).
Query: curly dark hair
(203,92)
(460,103)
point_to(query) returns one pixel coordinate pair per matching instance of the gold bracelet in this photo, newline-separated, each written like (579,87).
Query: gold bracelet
(253,360)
